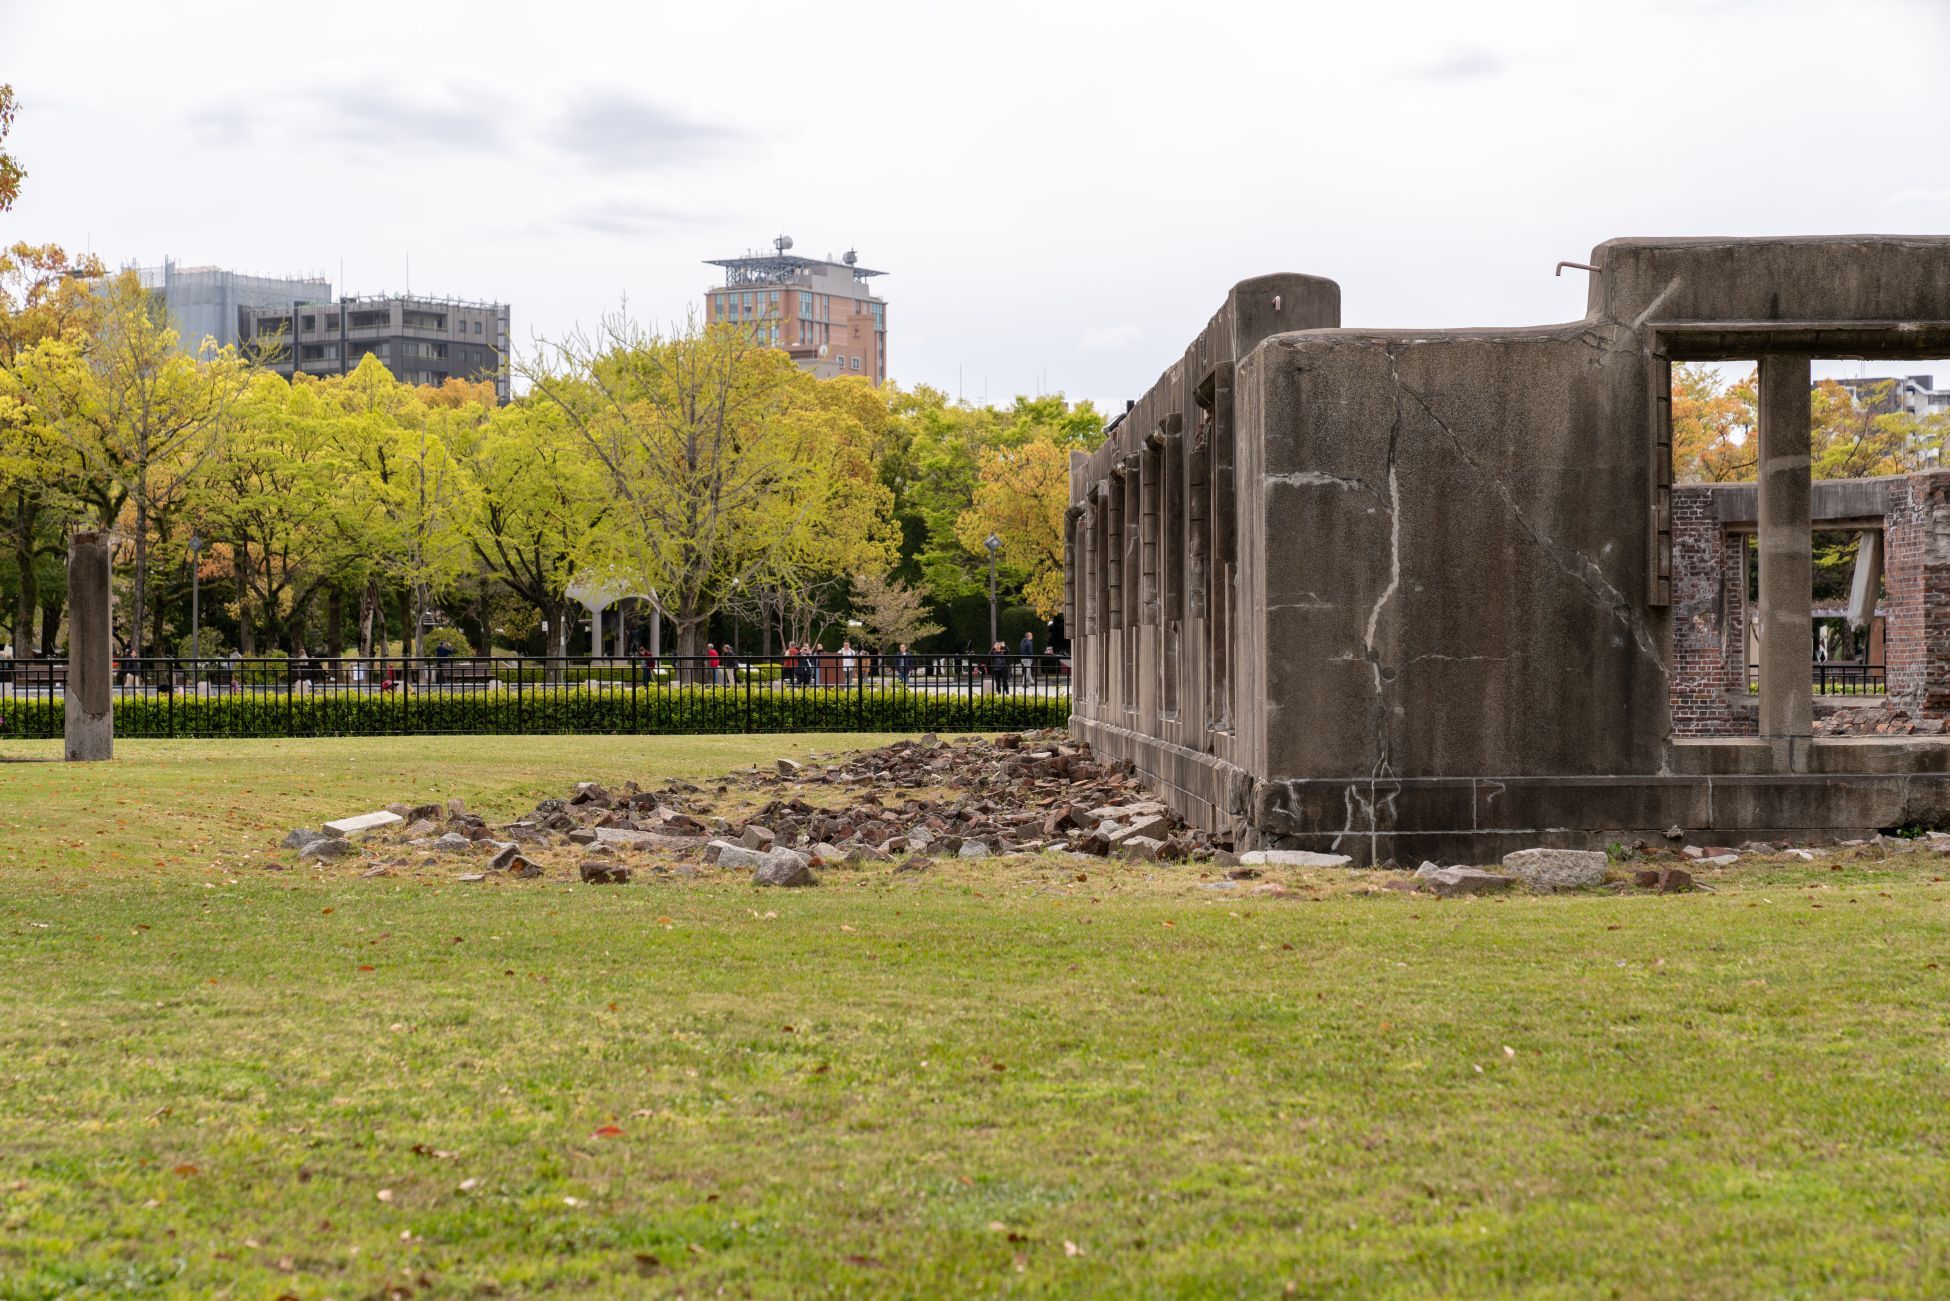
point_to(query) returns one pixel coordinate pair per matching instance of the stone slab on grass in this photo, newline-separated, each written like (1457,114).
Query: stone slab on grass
(1557,869)
(1293,858)
(362,822)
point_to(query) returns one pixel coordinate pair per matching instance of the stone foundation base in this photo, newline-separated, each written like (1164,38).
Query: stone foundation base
(1718,792)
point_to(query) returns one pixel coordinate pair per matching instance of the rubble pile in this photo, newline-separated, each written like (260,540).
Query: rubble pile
(905,803)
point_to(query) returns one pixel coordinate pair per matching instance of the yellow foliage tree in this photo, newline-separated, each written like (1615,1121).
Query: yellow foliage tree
(1020,496)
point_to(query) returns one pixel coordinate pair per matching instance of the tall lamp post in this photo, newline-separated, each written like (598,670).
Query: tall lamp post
(994,544)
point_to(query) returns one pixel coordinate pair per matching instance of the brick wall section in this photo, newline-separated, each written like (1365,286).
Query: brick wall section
(1916,584)
(1708,641)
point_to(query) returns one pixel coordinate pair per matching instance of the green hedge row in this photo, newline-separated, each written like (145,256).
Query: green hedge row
(693,710)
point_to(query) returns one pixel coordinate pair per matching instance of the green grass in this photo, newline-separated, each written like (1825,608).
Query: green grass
(927,1085)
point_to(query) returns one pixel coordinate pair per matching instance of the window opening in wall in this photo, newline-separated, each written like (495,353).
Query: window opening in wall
(1219,577)
(1865,420)
(1132,489)
(1171,585)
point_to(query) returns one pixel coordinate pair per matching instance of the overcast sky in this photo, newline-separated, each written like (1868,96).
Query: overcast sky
(1059,191)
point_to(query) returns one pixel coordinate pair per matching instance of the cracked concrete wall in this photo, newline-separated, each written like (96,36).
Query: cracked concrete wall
(1457,554)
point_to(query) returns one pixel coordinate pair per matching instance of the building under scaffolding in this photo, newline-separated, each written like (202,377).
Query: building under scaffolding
(209,302)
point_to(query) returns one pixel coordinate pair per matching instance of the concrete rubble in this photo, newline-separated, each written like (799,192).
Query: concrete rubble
(912,803)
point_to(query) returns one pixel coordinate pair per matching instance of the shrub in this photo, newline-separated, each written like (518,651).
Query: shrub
(509,712)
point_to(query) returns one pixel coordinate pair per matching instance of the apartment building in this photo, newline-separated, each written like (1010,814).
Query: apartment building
(819,311)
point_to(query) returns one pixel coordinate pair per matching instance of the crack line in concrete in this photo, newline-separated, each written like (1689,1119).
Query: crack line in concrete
(1588,575)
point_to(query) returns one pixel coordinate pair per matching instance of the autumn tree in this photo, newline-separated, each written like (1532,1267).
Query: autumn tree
(139,418)
(541,498)
(702,437)
(892,612)
(43,295)
(11,174)
(1712,426)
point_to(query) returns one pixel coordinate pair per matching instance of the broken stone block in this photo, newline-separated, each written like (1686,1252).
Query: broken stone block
(362,822)
(299,837)
(1153,825)
(1556,869)
(523,868)
(1666,880)
(622,837)
(726,854)
(504,858)
(758,838)
(1293,858)
(1449,881)
(1720,860)
(1138,848)
(601,872)
(782,867)
(787,767)
(453,843)
(824,851)
(472,876)
(421,829)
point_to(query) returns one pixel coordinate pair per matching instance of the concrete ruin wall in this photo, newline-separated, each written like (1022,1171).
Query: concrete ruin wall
(1447,624)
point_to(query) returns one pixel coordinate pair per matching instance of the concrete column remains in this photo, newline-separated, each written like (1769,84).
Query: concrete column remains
(1786,556)
(90,720)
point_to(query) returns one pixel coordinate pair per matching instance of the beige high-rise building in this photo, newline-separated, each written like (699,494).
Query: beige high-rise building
(819,311)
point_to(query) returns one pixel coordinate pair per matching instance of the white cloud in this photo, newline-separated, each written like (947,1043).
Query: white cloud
(1110,338)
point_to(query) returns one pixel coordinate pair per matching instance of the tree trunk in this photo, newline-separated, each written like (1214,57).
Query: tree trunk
(28,599)
(141,602)
(51,623)
(335,623)
(368,605)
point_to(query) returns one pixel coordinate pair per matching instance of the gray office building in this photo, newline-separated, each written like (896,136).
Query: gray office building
(420,340)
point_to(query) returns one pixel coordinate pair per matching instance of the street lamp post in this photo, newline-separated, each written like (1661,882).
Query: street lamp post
(994,544)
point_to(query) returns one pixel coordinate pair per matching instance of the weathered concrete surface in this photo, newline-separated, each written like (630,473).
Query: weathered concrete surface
(359,822)
(1343,590)
(89,710)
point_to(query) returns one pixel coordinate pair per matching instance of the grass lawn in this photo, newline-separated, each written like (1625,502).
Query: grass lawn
(993,1077)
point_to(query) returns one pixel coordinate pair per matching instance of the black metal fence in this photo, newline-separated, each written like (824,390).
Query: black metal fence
(515,695)
(1837,678)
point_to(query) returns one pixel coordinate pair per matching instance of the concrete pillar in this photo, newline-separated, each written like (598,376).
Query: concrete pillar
(1786,557)
(90,719)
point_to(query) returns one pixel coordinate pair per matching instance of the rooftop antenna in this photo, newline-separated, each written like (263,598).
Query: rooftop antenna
(850,257)
(782,243)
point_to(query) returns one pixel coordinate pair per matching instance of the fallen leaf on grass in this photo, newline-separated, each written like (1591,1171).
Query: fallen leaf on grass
(865,1262)
(438,1154)
(363,967)
(186,1170)
(384,1194)
(606,1131)
(1071,1248)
